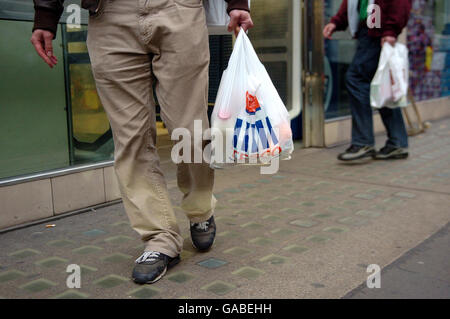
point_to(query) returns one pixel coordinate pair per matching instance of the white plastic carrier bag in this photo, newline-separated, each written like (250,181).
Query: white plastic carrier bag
(250,123)
(389,87)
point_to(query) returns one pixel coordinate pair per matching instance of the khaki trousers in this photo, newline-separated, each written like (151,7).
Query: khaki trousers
(134,44)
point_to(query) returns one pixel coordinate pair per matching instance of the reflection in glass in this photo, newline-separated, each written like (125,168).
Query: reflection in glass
(91,136)
(272,41)
(339,53)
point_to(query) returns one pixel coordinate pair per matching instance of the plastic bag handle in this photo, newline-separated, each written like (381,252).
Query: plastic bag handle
(239,61)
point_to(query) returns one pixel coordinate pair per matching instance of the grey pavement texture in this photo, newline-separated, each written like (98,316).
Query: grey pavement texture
(421,273)
(308,231)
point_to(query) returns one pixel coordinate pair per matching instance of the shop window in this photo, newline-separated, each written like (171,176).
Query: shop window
(339,53)
(271,38)
(23,10)
(33,118)
(90,134)
(429,49)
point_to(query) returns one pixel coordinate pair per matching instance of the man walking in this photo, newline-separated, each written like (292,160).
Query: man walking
(394,17)
(133,44)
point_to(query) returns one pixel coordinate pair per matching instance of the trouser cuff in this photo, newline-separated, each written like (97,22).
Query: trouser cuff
(197,218)
(155,247)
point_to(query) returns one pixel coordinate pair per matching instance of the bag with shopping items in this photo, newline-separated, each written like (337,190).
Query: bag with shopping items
(389,87)
(250,123)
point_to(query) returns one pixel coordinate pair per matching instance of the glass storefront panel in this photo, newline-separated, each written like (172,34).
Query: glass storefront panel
(17,10)
(272,41)
(429,49)
(24,10)
(33,122)
(428,40)
(339,53)
(91,136)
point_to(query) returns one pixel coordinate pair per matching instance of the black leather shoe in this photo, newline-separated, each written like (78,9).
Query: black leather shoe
(391,152)
(203,234)
(152,266)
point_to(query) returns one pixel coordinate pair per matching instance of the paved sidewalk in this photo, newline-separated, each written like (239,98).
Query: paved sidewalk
(307,232)
(423,272)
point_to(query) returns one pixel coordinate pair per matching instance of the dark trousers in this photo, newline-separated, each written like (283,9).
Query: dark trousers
(358,79)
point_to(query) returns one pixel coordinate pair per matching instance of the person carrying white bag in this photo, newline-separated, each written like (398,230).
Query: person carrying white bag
(132,44)
(376,24)
(250,123)
(389,87)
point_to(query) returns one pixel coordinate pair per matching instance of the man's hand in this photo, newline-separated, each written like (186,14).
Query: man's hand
(329,30)
(238,19)
(42,42)
(388,39)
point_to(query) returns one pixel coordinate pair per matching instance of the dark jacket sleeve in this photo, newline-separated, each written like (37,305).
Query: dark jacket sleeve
(47,14)
(341,18)
(396,16)
(237,4)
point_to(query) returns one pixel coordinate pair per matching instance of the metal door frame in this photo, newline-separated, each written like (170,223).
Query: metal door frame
(313,73)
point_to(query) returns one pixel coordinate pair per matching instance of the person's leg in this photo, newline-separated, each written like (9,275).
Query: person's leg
(358,79)
(121,67)
(179,40)
(397,144)
(395,127)
(362,120)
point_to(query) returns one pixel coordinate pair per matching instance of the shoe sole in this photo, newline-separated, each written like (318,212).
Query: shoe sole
(365,155)
(394,157)
(203,250)
(170,265)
